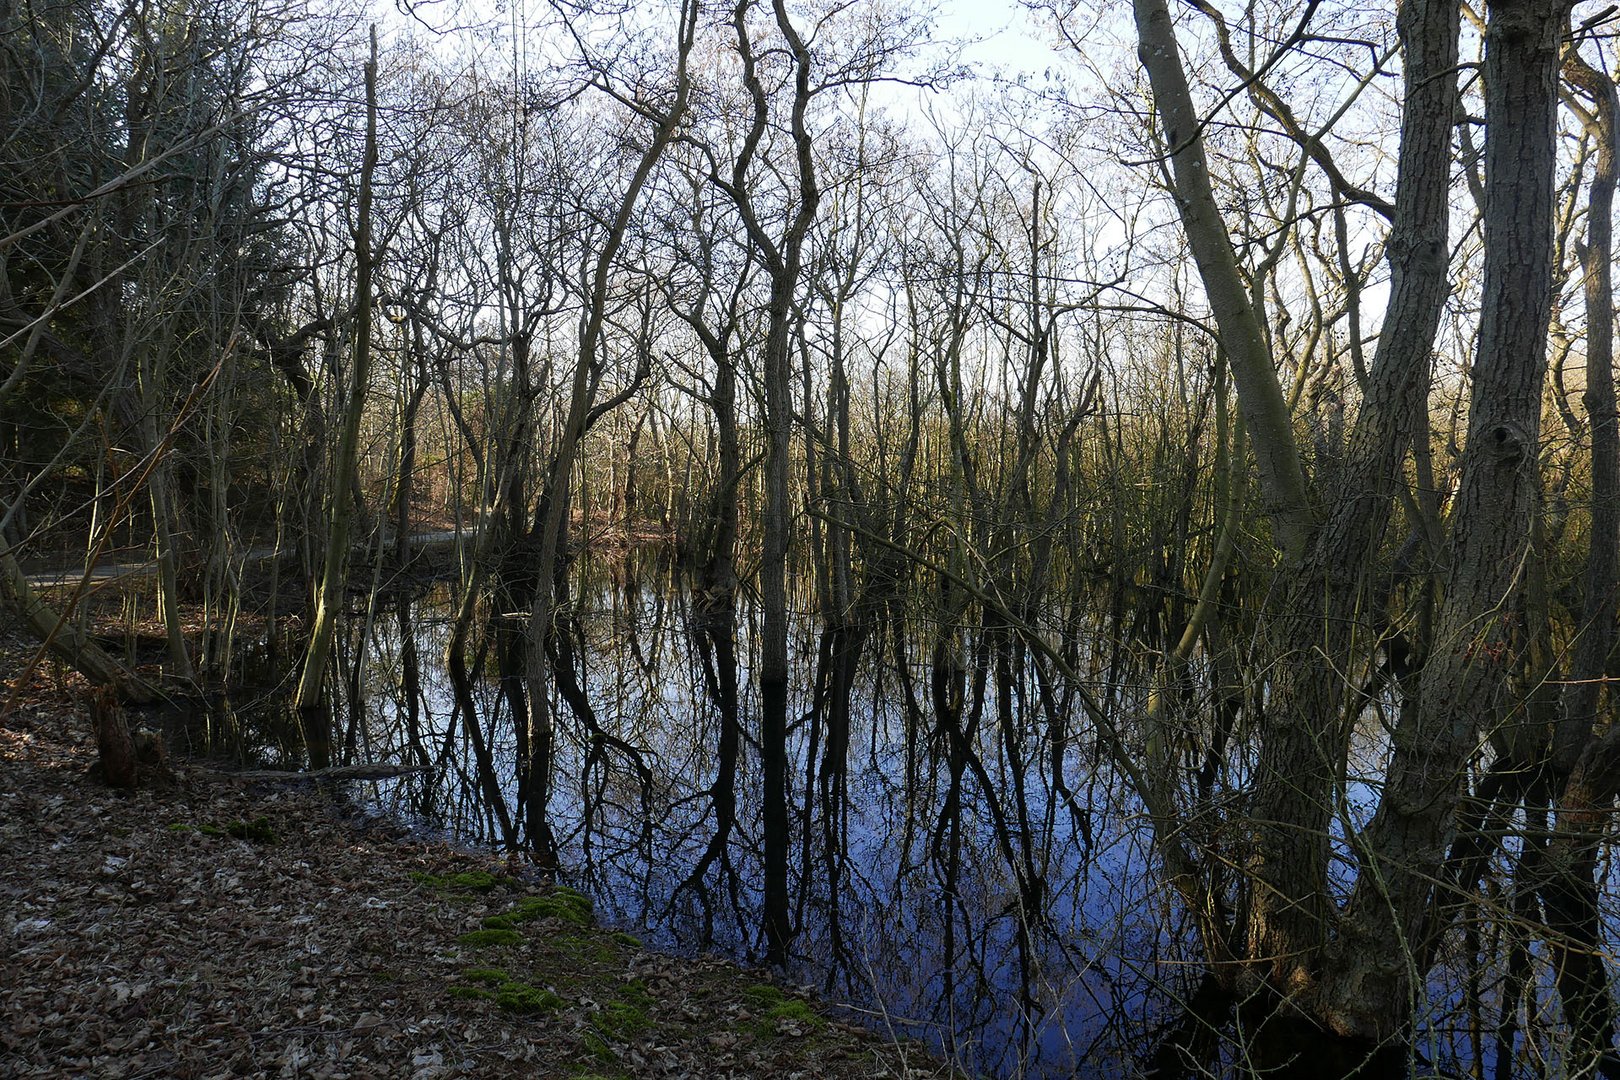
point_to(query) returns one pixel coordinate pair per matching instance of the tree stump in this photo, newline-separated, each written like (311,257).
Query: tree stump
(114,746)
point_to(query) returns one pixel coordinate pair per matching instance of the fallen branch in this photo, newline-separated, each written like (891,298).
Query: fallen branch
(340,772)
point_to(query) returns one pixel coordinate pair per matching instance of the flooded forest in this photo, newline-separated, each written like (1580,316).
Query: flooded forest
(1086,531)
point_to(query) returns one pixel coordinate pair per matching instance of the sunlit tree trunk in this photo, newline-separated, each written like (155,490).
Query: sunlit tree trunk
(335,566)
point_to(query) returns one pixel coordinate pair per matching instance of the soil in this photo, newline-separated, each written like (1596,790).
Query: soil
(209,926)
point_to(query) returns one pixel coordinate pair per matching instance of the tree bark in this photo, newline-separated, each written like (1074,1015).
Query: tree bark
(1465,686)
(1260,398)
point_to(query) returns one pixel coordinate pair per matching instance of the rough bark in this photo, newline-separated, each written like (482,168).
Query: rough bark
(1326,622)
(115,749)
(1465,688)
(1322,628)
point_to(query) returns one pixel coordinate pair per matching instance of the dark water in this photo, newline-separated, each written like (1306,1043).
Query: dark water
(1014,928)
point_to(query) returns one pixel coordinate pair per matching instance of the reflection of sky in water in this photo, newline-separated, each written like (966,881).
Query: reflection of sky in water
(1085,1000)
(1100,972)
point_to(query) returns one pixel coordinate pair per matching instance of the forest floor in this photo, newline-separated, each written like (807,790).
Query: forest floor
(219,927)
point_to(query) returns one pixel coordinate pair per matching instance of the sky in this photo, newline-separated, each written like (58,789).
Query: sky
(1008,37)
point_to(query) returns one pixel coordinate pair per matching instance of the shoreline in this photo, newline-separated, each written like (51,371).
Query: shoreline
(218,927)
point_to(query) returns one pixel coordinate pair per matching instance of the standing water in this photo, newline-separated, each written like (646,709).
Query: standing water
(968,883)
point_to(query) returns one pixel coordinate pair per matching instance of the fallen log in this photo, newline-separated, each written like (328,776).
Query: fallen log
(339,772)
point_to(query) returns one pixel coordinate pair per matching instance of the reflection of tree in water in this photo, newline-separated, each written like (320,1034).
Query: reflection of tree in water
(939,875)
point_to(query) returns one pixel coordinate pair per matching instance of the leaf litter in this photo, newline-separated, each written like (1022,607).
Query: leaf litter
(143,936)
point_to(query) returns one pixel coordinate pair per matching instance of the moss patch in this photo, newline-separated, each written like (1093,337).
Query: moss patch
(763,995)
(465,881)
(471,993)
(795,1010)
(560,903)
(777,1009)
(597,1047)
(585,950)
(489,939)
(636,993)
(520,997)
(621,1020)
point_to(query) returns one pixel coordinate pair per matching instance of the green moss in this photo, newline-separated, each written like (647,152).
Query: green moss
(629,941)
(620,1020)
(465,881)
(560,902)
(636,993)
(522,998)
(585,949)
(797,1011)
(487,939)
(598,1048)
(258,830)
(212,830)
(471,993)
(776,1007)
(181,827)
(492,976)
(763,995)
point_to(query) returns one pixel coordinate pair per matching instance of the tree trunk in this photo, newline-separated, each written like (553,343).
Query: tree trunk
(1260,397)
(335,569)
(1575,929)
(1465,684)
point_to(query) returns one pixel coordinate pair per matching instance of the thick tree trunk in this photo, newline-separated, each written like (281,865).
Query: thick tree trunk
(1322,627)
(1465,688)
(1325,630)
